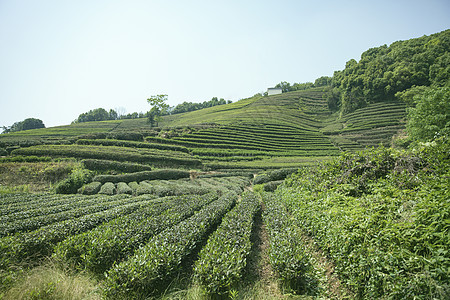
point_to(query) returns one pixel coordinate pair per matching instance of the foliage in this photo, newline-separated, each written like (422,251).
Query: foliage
(145,175)
(97,250)
(71,184)
(133,144)
(159,108)
(28,247)
(381,215)
(430,118)
(108,165)
(20,158)
(384,71)
(148,270)
(91,188)
(222,261)
(189,106)
(27,124)
(274,175)
(287,253)
(141,155)
(123,188)
(98,114)
(108,188)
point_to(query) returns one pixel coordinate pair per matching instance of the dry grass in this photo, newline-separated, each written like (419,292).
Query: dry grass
(51,282)
(33,177)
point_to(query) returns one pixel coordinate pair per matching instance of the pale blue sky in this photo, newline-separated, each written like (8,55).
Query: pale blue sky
(61,58)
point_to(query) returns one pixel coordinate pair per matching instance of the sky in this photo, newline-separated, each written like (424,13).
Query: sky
(61,58)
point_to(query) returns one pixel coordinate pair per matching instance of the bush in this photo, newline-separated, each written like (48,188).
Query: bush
(123,188)
(71,184)
(90,188)
(165,174)
(106,165)
(275,175)
(272,185)
(108,189)
(260,179)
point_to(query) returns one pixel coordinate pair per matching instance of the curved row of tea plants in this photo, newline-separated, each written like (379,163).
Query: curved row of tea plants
(287,254)
(47,208)
(131,144)
(98,249)
(17,203)
(96,205)
(222,261)
(150,268)
(140,155)
(28,247)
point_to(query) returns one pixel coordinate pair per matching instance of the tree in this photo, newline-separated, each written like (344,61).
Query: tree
(159,107)
(431,116)
(30,123)
(98,114)
(113,115)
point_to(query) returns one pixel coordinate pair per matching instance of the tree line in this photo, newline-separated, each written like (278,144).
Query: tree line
(29,123)
(101,114)
(416,71)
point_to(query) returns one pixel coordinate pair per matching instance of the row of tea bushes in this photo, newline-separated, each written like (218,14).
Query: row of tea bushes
(26,247)
(160,188)
(98,249)
(110,165)
(163,174)
(148,270)
(123,154)
(222,261)
(287,254)
(131,144)
(28,224)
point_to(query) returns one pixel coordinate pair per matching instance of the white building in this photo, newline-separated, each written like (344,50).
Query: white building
(274,91)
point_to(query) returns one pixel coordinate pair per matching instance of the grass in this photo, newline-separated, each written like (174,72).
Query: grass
(51,281)
(33,177)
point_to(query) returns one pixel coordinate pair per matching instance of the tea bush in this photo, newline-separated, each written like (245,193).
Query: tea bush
(382,216)
(76,180)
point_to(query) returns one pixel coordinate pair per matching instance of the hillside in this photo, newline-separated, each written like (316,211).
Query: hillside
(285,130)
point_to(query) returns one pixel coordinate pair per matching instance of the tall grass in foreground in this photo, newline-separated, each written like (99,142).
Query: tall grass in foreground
(52,282)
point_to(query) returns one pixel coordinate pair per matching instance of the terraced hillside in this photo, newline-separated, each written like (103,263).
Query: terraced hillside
(367,127)
(286,130)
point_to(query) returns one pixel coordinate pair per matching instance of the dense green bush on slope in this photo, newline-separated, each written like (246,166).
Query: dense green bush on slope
(107,165)
(145,175)
(382,216)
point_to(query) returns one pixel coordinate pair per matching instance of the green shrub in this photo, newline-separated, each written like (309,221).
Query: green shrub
(71,184)
(123,188)
(221,264)
(165,174)
(272,185)
(3,152)
(121,143)
(260,179)
(144,188)
(108,188)
(134,186)
(90,188)
(107,165)
(20,158)
(274,175)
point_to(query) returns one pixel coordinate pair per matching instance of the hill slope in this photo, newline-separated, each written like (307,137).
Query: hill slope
(285,130)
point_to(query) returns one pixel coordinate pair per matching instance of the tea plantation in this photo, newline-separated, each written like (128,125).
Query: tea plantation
(270,197)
